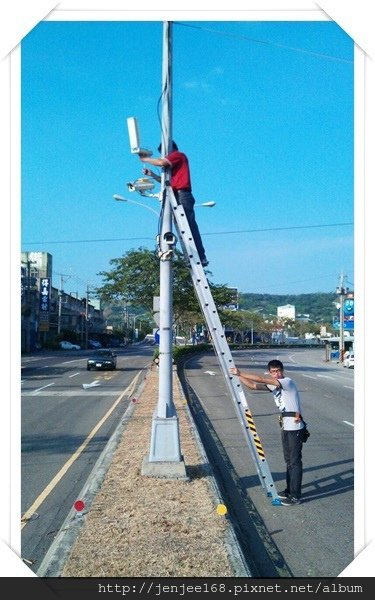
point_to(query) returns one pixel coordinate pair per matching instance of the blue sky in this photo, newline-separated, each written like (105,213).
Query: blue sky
(264,110)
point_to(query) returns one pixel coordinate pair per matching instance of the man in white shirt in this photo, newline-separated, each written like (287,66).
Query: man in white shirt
(287,400)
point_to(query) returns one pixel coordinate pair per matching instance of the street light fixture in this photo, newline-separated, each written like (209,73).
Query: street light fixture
(208,204)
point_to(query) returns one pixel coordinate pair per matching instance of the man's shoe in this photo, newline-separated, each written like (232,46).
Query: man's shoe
(284,495)
(290,501)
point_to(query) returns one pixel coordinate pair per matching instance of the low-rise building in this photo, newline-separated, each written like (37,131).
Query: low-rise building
(288,311)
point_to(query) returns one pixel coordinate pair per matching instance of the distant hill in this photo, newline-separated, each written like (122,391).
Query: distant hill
(318,306)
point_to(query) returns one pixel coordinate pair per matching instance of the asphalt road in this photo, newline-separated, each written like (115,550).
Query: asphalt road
(65,427)
(316,538)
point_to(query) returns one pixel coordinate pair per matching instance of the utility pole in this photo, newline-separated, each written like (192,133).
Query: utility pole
(87,318)
(61,290)
(28,331)
(341,291)
(29,302)
(164,459)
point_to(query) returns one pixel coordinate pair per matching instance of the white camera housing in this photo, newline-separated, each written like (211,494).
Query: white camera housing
(143,184)
(170,238)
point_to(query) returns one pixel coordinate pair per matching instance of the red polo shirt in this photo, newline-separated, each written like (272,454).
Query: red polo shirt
(180,172)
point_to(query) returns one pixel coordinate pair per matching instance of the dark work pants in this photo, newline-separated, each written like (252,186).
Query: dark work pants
(186,199)
(292,448)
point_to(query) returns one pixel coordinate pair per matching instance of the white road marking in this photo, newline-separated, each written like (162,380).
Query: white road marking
(92,384)
(47,490)
(72,394)
(67,362)
(326,376)
(210,372)
(347,423)
(309,376)
(42,388)
(74,374)
(348,387)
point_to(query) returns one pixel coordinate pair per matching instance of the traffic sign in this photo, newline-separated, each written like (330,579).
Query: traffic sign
(348,307)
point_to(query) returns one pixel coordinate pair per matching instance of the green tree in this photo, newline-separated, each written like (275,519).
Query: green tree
(135,279)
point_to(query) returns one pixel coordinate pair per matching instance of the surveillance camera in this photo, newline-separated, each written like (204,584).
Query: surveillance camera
(170,238)
(143,184)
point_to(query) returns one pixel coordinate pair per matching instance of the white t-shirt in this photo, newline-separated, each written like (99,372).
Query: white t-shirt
(287,399)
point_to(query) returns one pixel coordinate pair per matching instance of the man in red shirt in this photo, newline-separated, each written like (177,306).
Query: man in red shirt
(181,184)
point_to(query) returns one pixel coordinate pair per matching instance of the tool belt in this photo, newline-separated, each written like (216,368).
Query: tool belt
(305,432)
(285,413)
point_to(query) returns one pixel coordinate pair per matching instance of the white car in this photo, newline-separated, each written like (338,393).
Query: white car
(69,346)
(349,361)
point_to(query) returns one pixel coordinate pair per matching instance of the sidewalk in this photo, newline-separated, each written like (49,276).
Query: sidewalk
(138,526)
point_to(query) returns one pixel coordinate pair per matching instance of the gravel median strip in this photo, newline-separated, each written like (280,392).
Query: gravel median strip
(140,526)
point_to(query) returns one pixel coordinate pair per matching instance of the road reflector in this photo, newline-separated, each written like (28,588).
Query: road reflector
(221,509)
(79,505)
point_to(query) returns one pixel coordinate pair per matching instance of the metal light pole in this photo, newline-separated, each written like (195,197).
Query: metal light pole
(341,291)
(87,318)
(164,459)
(60,295)
(29,302)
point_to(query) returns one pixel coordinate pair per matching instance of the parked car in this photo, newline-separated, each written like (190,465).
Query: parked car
(349,361)
(69,346)
(102,359)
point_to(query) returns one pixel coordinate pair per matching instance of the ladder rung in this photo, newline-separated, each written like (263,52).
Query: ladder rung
(222,349)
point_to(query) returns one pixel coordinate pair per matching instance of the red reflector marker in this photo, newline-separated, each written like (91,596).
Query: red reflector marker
(79,505)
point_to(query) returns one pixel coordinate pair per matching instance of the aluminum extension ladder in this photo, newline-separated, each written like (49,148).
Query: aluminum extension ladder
(221,346)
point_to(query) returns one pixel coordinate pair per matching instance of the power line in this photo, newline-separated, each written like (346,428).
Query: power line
(206,233)
(278,228)
(266,42)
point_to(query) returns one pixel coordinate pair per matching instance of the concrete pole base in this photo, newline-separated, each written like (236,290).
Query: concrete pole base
(165,458)
(164,469)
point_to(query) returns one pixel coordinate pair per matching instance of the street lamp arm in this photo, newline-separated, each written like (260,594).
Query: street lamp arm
(121,199)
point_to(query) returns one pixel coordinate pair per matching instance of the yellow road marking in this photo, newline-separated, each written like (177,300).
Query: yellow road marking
(48,489)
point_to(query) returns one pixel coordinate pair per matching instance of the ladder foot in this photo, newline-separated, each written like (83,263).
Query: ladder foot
(276,502)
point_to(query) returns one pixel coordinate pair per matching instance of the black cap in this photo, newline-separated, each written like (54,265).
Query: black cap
(174,146)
